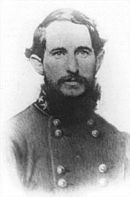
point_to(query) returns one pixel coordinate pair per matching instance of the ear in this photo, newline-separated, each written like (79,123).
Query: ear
(37,64)
(99,60)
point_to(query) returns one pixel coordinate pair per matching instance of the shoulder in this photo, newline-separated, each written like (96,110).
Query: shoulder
(25,130)
(112,138)
(27,127)
(27,119)
(29,114)
(118,142)
(121,139)
(109,129)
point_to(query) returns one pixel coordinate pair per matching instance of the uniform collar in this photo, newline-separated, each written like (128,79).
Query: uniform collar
(41,103)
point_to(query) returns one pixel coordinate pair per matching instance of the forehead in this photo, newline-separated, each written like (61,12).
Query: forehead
(67,34)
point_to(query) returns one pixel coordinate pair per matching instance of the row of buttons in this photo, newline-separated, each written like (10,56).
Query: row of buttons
(57,122)
(59,133)
(63,183)
(102,168)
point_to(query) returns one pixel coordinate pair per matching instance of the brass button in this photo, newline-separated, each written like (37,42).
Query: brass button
(58,133)
(90,122)
(95,133)
(56,122)
(102,182)
(62,183)
(102,168)
(60,169)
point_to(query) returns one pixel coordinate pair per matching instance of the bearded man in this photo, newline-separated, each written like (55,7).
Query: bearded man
(59,141)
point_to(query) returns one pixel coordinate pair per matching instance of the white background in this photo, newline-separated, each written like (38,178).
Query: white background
(20,85)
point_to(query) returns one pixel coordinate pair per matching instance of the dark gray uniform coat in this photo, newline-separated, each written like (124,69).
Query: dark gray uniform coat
(52,156)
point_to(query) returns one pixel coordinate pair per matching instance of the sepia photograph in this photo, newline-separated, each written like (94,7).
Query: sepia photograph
(64,98)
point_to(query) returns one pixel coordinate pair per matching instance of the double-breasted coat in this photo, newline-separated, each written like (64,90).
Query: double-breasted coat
(51,156)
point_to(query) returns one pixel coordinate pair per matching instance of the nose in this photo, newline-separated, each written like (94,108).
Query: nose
(72,64)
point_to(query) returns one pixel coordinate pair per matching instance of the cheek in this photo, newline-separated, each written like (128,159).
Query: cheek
(54,69)
(87,67)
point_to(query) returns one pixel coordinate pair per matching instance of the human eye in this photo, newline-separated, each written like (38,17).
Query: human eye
(58,53)
(83,53)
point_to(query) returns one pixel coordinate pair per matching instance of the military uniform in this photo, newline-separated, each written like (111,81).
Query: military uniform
(52,156)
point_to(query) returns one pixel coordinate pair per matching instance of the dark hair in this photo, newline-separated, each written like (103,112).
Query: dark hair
(74,16)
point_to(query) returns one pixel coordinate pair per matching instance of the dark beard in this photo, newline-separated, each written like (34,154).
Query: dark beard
(72,109)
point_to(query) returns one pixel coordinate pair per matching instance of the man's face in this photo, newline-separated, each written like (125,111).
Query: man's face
(69,58)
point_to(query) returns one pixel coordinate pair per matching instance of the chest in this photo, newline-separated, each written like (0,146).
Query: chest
(70,156)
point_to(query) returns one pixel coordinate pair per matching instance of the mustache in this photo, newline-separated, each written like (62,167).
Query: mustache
(72,77)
